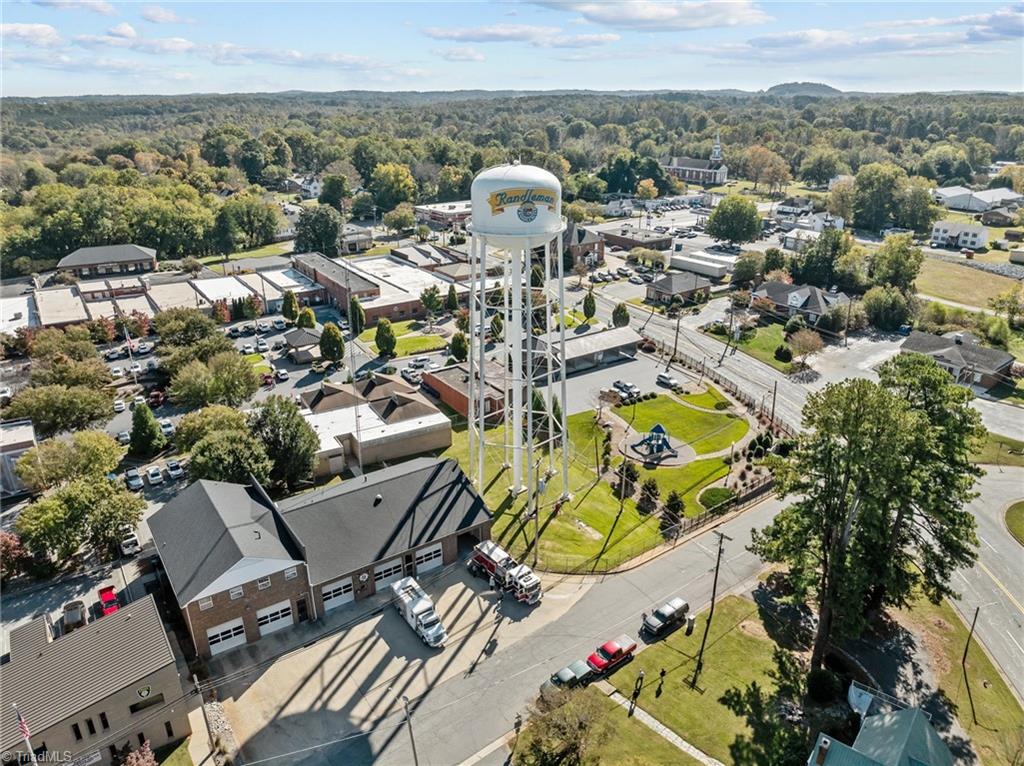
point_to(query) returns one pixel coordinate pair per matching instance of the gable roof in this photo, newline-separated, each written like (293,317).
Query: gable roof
(902,738)
(680,282)
(808,297)
(691,162)
(998,194)
(952,191)
(332,396)
(52,680)
(90,256)
(211,528)
(301,337)
(378,516)
(969,352)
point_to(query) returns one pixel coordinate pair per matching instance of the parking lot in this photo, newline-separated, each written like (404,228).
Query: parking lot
(582,389)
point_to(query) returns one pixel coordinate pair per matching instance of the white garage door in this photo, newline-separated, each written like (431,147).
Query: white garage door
(226,636)
(274,617)
(337,593)
(387,573)
(429,559)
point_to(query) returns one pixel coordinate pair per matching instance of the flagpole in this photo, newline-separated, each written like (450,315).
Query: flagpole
(23,728)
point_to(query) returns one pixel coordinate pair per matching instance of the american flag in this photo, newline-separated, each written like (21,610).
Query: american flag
(22,725)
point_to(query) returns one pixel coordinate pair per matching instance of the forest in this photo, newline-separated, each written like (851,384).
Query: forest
(188,174)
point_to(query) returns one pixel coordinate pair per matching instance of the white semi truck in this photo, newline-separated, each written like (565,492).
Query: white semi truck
(415,606)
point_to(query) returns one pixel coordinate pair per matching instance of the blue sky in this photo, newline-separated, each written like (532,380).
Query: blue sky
(72,47)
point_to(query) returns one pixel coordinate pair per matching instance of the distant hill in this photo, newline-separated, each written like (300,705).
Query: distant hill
(803,89)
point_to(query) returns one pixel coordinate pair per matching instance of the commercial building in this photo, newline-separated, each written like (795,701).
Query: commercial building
(427,256)
(306,291)
(108,259)
(225,289)
(899,738)
(444,214)
(16,313)
(594,349)
(451,385)
(795,206)
(1000,216)
(962,198)
(380,419)
(807,300)
(172,295)
(96,693)
(59,307)
(958,234)
(268,293)
(584,245)
(242,567)
(355,239)
(962,356)
(16,438)
(98,289)
(683,285)
(710,172)
(628,237)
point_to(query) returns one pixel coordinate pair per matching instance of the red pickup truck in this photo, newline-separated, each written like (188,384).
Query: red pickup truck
(108,600)
(612,654)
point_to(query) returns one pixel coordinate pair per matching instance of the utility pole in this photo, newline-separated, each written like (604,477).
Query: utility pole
(722,537)
(846,330)
(775,391)
(408,723)
(728,337)
(675,343)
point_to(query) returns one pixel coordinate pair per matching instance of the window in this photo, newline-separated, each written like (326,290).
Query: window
(103,721)
(205,603)
(237,592)
(154,699)
(77,731)
(263,583)
(169,729)
(90,726)
(291,573)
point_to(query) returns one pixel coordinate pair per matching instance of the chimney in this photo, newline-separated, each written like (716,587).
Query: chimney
(822,754)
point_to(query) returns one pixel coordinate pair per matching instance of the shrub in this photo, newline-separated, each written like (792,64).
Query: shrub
(823,685)
(715,496)
(758,452)
(721,405)
(727,459)
(795,324)
(783,353)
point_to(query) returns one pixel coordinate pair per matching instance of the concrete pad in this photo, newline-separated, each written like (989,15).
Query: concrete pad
(356,677)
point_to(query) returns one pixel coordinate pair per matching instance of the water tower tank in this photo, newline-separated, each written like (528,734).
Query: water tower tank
(516,205)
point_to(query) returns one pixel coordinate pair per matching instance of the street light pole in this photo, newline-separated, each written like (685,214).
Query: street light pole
(408,723)
(722,537)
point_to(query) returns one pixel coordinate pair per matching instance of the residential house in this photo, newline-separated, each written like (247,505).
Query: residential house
(92,695)
(957,234)
(798,240)
(1000,216)
(380,419)
(108,259)
(710,172)
(962,356)
(684,285)
(821,221)
(242,566)
(307,187)
(807,300)
(16,438)
(900,738)
(290,213)
(584,245)
(795,206)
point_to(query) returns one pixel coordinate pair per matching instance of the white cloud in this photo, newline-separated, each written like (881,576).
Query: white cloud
(540,37)
(96,6)
(1005,22)
(160,15)
(665,16)
(124,29)
(463,53)
(117,39)
(38,35)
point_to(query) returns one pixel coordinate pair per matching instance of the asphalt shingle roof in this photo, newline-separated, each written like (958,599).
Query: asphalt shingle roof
(680,282)
(380,515)
(945,347)
(52,680)
(90,256)
(811,298)
(211,526)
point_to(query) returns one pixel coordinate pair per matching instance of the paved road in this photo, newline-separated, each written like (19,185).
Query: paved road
(996,582)
(481,705)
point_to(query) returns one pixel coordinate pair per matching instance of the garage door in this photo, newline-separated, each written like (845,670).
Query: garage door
(429,559)
(387,573)
(337,593)
(274,617)
(226,636)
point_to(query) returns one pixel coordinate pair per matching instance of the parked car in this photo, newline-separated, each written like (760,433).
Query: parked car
(167,428)
(119,405)
(612,654)
(267,379)
(135,368)
(263,326)
(635,280)
(154,475)
(280,324)
(248,348)
(75,615)
(117,372)
(133,479)
(108,600)
(362,375)
(123,437)
(130,543)
(412,376)
(321,366)
(420,361)
(138,400)
(277,345)
(174,470)
(234,332)
(648,277)
(156,397)
(249,328)
(261,345)
(664,379)
(666,617)
(281,374)
(572,675)
(144,348)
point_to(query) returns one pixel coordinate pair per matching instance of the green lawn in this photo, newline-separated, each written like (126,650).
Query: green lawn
(174,755)
(688,480)
(1000,450)
(399,328)
(961,284)
(1015,521)
(999,716)
(704,431)
(618,740)
(738,652)
(762,345)
(258,363)
(409,341)
(707,399)
(274,248)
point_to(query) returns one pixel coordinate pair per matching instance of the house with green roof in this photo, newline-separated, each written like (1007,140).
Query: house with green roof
(900,738)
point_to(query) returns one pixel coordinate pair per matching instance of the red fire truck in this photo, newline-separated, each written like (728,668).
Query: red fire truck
(490,560)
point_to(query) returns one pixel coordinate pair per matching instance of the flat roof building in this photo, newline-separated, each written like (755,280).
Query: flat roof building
(59,306)
(628,238)
(444,214)
(17,312)
(172,295)
(451,385)
(16,438)
(96,693)
(222,289)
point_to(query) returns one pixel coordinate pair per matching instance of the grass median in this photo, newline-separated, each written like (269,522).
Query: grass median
(1015,521)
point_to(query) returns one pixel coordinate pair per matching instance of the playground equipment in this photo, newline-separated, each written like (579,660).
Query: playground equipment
(656,443)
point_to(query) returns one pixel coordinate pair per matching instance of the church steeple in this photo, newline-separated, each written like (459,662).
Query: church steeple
(716,150)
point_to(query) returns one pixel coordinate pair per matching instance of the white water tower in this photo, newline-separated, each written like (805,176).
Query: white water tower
(517,219)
